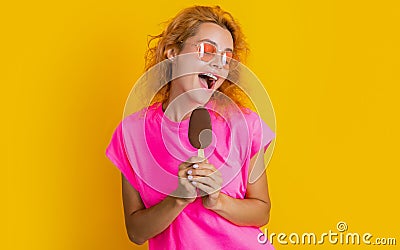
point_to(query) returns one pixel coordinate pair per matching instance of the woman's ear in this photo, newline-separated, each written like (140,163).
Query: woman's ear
(171,54)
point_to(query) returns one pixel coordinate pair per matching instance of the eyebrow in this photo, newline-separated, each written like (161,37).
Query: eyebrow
(214,43)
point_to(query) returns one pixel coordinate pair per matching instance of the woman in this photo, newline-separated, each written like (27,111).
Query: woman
(209,203)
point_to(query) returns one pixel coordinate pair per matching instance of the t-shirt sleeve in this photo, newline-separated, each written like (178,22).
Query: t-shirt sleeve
(116,152)
(262,135)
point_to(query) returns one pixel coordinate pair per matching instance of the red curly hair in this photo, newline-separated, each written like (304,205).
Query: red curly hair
(184,25)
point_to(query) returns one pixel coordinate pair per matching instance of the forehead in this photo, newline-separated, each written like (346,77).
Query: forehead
(211,31)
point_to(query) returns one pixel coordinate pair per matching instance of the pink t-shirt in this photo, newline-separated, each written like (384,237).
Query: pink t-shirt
(148,147)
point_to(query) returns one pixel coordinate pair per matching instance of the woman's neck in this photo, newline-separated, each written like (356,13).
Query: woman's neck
(180,104)
(178,109)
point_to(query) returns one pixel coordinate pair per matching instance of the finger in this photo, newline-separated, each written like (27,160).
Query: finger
(194,173)
(195,159)
(202,193)
(191,161)
(207,166)
(213,176)
(207,181)
(187,185)
(183,173)
(205,188)
(201,172)
(184,165)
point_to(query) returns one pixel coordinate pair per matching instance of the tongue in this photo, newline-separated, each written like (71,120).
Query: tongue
(210,82)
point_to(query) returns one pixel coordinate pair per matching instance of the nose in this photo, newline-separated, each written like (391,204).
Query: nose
(216,62)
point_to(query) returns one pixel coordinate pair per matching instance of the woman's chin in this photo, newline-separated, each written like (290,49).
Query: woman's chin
(201,98)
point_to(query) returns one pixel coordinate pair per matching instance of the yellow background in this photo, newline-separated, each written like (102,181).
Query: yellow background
(331,69)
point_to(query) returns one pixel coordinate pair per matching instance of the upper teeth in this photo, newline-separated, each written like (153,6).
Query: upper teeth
(211,75)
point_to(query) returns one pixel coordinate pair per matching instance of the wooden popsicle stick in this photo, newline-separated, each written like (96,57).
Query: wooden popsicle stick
(200,153)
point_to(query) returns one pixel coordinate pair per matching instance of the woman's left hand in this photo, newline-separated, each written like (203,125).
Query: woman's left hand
(208,180)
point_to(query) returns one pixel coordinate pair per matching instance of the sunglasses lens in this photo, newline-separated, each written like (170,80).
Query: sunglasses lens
(227,57)
(207,51)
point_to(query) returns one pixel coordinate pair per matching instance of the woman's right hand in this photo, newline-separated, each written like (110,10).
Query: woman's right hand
(186,192)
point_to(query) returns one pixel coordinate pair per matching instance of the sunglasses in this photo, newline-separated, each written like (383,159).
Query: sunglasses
(207,51)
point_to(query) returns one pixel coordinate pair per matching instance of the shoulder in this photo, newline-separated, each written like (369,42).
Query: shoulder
(251,118)
(256,126)
(250,115)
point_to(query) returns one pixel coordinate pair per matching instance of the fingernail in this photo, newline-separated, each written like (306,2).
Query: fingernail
(195,165)
(190,177)
(189,172)
(194,183)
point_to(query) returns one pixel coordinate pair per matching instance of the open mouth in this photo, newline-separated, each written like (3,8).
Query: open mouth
(209,79)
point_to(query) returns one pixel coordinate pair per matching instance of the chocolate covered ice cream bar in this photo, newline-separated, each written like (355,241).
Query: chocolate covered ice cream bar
(200,130)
